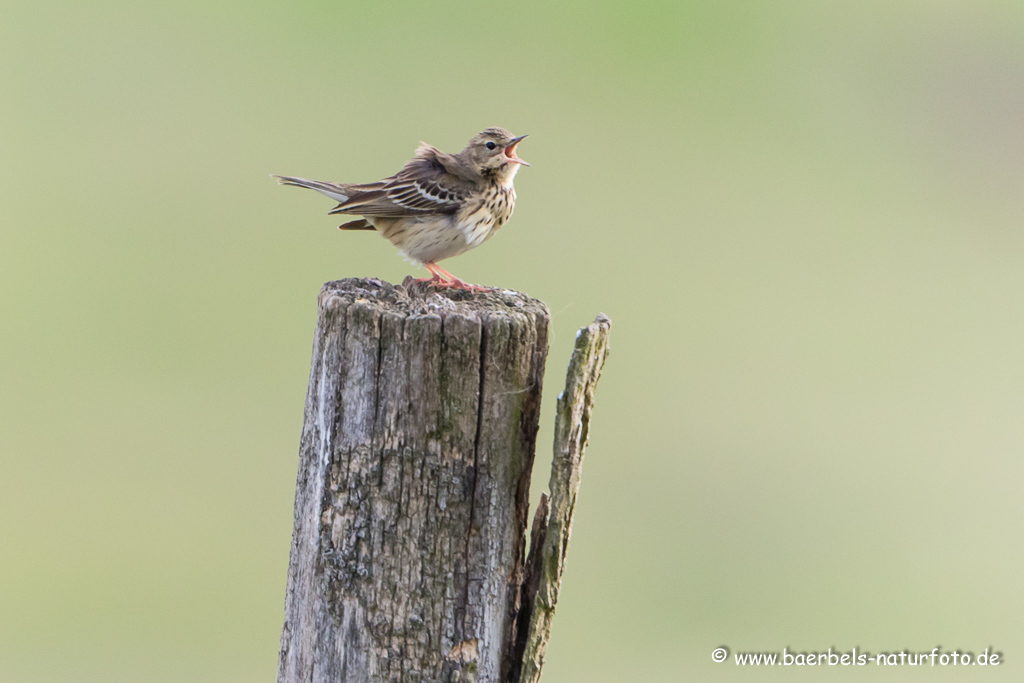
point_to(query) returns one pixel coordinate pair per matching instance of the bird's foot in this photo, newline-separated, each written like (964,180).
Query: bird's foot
(436,280)
(462,284)
(442,278)
(454,284)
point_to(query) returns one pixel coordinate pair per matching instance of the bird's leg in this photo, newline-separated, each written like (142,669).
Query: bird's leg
(439,275)
(460,284)
(442,278)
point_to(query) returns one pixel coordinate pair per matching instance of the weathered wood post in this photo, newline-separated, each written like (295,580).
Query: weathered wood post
(407,559)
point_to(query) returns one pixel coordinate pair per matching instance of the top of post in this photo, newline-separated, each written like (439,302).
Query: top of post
(421,298)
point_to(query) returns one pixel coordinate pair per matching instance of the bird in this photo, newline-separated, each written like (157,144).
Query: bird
(439,205)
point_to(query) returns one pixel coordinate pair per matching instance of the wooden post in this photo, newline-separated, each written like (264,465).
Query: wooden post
(407,559)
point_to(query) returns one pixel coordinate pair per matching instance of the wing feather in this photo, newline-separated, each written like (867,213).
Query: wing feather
(432,183)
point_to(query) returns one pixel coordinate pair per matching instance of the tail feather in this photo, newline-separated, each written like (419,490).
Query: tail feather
(335,191)
(361,224)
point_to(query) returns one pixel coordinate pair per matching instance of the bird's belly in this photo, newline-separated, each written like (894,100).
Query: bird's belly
(426,239)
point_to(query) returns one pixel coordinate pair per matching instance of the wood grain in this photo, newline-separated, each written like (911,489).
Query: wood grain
(411,498)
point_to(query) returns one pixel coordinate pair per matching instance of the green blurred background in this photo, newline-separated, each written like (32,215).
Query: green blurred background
(804,219)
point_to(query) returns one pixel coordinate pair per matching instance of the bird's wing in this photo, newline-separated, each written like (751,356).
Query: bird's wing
(425,186)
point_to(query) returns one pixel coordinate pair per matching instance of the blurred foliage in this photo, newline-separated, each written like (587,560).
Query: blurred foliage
(804,219)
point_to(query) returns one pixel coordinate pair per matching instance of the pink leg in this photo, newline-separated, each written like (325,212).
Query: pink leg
(439,275)
(456,282)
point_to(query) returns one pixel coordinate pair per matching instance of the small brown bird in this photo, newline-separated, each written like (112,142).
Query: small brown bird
(439,205)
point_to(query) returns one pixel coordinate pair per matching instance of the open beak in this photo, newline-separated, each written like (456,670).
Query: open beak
(510,151)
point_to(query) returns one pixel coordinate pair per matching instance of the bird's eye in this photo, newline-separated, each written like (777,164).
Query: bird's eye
(491,145)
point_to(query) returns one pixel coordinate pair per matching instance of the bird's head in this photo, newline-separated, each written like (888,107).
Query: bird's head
(494,152)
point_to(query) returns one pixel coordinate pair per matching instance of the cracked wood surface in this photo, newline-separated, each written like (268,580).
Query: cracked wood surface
(412,492)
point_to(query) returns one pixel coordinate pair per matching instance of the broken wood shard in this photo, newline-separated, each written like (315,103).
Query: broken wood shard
(551,529)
